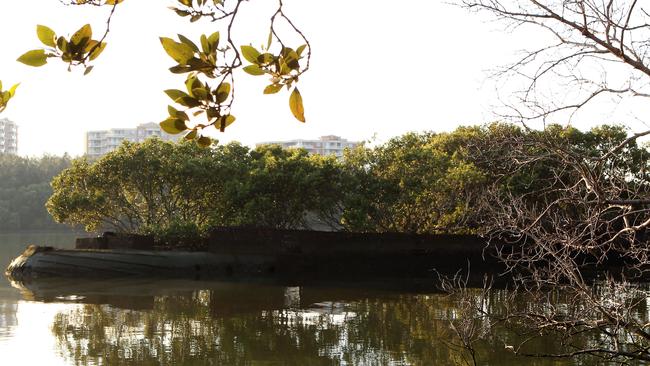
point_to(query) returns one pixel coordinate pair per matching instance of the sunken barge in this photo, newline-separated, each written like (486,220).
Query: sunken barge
(240,251)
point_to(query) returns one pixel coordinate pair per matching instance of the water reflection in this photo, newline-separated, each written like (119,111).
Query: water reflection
(143,322)
(178,322)
(8,319)
(11,245)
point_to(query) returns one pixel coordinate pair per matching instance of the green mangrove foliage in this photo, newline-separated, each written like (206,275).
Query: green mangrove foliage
(415,183)
(24,189)
(144,187)
(284,185)
(161,187)
(447,182)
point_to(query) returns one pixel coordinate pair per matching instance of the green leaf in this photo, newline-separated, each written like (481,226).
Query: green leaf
(12,90)
(180,52)
(205,45)
(284,68)
(190,135)
(291,58)
(33,58)
(222,92)
(301,49)
(254,70)
(197,64)
(173,112)
(204,141)
(213,40)
(292,61)
(46,35)
(181,13)
(90,45)
(212,113)
(192,82)
(80,37)
(97,51)
(173,126)
(180,69)
(176,94)
(225,121)
(189,102)
(188,42)
(201,93)
(295,104)
(270,39)
(265,58)
(62,44)
(250,54)
(272,89)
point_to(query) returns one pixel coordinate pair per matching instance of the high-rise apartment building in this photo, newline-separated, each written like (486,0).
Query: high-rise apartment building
(325,145)
(8,137)
(99,143)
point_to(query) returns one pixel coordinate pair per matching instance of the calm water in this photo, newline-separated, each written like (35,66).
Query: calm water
(171,322)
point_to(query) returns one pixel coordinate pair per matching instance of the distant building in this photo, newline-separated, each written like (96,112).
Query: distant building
(325,145)
(8,137)
(99,143)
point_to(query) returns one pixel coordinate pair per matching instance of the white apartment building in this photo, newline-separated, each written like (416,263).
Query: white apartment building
(99,143)
(8,137)
(325,145)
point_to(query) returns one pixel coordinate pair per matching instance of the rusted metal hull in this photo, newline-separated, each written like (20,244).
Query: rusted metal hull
(45,262)
(292,254)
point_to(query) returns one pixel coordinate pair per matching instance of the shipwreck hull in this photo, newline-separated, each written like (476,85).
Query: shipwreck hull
(48,262)
(265,252)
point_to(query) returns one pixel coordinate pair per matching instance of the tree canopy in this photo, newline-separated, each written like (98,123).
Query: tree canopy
(24,189)
(415,183)
(161,187)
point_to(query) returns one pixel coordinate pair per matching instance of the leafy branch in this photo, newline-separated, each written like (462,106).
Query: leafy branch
(5,95)
(214,61)
(209,63)
(77,51)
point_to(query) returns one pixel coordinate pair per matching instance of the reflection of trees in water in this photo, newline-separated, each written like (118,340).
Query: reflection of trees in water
(540,324)
(180,330)
(8,318)
(201,329)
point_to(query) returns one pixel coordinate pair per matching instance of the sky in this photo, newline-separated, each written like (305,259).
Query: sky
(379,69)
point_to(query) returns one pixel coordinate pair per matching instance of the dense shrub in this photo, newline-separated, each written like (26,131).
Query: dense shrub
(164,188)
(415,183)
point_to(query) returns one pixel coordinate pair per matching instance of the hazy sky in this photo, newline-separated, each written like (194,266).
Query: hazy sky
(378,67)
